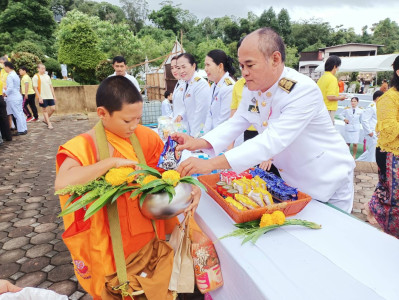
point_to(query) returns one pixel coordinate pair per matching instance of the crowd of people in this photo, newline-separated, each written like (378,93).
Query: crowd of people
(18,99)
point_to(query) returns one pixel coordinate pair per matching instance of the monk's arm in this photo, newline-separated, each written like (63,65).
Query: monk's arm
(71,172)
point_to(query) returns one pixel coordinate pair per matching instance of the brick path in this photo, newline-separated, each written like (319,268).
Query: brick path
(32,251)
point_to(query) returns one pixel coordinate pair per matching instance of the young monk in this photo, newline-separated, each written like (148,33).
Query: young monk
(120,107)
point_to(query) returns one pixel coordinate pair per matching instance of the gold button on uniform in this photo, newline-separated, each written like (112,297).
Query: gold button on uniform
(264,103)
(280,170)
(264,123)
(268,94)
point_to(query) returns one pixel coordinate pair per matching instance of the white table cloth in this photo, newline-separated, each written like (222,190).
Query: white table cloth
(346,259)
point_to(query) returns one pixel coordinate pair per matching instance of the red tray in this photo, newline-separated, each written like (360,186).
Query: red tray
(289,208)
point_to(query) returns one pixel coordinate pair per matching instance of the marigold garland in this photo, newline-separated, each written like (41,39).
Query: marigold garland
(118,176)
(171,177)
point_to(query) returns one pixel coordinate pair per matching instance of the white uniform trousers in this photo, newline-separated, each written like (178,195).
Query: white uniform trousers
(14,107)
(369,154)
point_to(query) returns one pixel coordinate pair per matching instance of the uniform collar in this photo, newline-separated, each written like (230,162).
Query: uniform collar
(192,78)
(273,89)
(219,84)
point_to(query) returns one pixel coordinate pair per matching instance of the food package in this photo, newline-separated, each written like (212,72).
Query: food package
(170,157)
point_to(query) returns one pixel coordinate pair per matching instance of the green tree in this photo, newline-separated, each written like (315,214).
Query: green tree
(269,19)
(27,20)
(109,12)
(30,47)
(53,66)
(310,32)
(136,13)
(386,32)
(61,7)
(365,37)
(206,46)
(104,69)
(79,49)
(291,57)
(284,25)
(29,60)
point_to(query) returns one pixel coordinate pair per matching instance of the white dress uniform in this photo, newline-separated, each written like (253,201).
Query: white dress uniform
(352,129)
(14,100)
(196,100)
(369,121)
(178,104)
(131,78)
(296,131)
(166,108)
(220,102)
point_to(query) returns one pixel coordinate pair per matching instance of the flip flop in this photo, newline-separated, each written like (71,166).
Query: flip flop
(45,122)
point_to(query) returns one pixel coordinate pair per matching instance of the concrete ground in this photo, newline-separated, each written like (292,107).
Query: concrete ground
(32,251)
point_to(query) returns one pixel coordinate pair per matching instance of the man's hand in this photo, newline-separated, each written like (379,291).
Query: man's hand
(26,97)
(194,165)
(346,121)
(55,100)
(195,195)
(178,119)
(6,286)
(187,142)
(40,100)
(371,134)
(266,165)
(122,162)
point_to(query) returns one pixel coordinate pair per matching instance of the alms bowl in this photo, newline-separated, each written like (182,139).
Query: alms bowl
(157,206)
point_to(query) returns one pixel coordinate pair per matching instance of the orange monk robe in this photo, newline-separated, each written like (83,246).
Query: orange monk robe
(90,242)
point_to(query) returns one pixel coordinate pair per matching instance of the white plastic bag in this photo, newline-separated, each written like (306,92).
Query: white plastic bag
(30,293)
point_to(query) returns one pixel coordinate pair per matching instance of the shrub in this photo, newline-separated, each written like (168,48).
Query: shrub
(29,60)
(357,86)
(30,47)
(53,66)
(104,69)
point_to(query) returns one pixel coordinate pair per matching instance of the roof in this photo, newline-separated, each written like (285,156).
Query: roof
(356,44)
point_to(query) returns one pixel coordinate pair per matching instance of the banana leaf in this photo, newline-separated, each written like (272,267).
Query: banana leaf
(100,202)
(70,200)
(86,199)
(122,191)
(190,180)
(146,170)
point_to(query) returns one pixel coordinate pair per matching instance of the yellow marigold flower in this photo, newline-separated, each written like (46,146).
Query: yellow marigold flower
(278,217)
(148,179)
(266,220)
(118,176)
(171,177)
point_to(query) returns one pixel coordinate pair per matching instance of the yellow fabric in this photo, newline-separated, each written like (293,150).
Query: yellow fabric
(237,97)
(388,121)
(3,79)
(45,84)
(328,85)
(26,79)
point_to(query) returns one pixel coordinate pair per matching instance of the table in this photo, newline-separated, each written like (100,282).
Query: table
(347,259)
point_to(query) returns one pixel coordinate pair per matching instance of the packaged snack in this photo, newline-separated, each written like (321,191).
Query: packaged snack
(257,196)
(170,157)
(244,200)
(235,203)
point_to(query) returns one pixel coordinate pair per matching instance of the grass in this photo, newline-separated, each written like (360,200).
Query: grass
(60,82)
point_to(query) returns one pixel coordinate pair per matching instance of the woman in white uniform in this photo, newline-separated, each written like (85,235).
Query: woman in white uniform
(219,69)
(352,118)
(178,92)
(197,95)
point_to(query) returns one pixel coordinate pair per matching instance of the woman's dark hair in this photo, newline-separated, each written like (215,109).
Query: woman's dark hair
(24,68)
(220,57)
(190,59)
(174,58)
(166,94)
(114,91)
(332,61)
(395,79)
(377,94)
(356,98)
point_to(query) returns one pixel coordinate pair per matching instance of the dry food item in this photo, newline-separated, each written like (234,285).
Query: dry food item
(274,207)
(235,203)
(170,157)
(219,186)
(256,195)
(247,202)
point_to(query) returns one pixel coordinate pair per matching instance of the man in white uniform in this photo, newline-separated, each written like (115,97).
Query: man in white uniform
(369,121)
(120,66)
(287,109)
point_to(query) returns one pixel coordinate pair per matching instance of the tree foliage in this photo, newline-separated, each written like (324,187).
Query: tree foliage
(31,47)
(53,66)
(136,13)
(29,60)
(104,69)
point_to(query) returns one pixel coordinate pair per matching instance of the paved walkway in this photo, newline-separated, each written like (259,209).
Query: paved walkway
(32,252)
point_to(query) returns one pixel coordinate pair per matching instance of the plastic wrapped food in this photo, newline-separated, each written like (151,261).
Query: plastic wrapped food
(170,157)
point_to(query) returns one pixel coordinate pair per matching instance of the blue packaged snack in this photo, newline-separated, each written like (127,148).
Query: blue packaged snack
(170,157)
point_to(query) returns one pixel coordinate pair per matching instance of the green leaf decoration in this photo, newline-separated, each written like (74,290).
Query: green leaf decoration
(70,200)
(146,169)
(170,189)
(158,188)
(86,199)
(152,184)
(100,202)
(142,198)
(135,193)
(122,191)
(190,180)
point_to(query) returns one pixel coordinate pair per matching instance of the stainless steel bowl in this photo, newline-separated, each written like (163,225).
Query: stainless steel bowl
(157,206)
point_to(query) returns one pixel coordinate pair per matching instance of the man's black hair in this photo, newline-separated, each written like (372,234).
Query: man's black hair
(115,91)
(377,94)
(119,59)
(166,94)
(24,68)
(9,65)
(332,61)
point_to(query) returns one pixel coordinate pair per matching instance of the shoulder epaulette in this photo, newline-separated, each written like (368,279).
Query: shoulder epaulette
(347,107)
(197,78)
(228,81)
(287,84)
(372,104)
(361,107)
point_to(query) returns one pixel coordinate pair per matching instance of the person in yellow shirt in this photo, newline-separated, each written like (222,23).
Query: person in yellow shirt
(4,123)
(328,85)
(28,93)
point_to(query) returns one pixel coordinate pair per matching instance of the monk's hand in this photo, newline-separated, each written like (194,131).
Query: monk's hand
(6,286)
(122,162)
(266,165)
(195,196)
(194,165)
(178,119)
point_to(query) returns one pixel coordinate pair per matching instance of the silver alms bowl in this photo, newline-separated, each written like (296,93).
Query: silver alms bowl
(157,206)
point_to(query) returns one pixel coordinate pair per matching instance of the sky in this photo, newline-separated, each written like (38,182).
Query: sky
(354,13)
